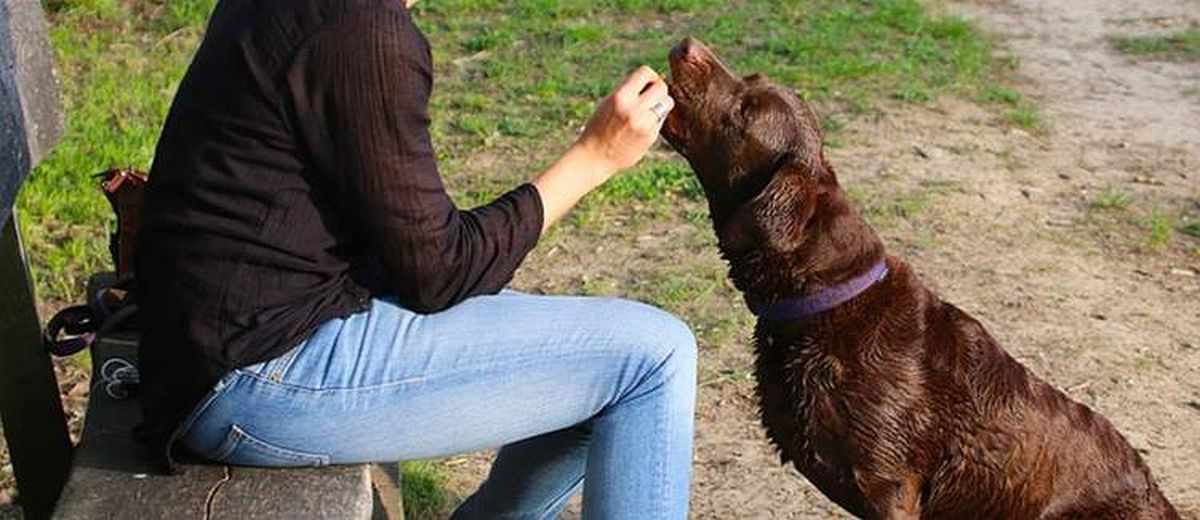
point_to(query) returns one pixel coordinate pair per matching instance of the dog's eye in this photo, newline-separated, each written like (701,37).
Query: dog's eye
(749,104)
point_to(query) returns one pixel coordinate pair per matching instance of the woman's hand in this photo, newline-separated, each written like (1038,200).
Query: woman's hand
(627,123)
(620,133)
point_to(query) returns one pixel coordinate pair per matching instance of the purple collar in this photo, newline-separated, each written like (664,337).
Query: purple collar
(801,307)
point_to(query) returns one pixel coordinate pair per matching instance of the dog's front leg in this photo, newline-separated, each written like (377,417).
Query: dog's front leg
(892,499)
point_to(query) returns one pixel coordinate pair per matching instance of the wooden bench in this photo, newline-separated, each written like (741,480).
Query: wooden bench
(108,475)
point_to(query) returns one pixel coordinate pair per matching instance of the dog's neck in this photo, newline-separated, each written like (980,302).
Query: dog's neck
(837,246)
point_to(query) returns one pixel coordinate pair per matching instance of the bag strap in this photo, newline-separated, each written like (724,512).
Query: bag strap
(109,308)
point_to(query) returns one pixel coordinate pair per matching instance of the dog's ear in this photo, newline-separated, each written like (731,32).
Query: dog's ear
(775,218)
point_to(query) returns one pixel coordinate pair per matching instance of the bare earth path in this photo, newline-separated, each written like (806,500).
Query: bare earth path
(1003,224)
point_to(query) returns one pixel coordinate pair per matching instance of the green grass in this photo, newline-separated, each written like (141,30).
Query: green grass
(651,181)
(1020,112)
(1191,229)
(1112,199)
(423,490)
(998,94)
(1159,228)
(514,77)
(885,210)
(1183,45)
(119,68)
(1026,116)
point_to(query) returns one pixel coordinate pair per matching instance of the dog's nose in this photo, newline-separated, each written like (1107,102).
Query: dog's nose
(690,49)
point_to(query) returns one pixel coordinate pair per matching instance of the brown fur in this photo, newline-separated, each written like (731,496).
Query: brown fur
(895,404)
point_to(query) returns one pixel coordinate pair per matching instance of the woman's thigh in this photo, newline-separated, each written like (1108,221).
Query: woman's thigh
(390,384)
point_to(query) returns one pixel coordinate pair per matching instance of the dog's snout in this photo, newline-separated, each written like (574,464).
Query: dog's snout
(690,50)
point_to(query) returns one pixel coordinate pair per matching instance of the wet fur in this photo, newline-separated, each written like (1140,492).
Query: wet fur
(895,404)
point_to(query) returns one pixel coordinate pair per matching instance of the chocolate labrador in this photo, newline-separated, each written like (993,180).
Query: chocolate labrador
(892,402)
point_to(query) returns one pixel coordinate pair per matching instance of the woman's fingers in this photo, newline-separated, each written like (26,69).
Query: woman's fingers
(655,93)
(636,83)
(627,123)
(657,101)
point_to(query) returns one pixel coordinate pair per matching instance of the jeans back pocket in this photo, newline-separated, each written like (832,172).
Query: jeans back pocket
(243,449)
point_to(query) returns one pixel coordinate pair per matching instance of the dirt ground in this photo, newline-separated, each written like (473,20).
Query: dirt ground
(1009,231)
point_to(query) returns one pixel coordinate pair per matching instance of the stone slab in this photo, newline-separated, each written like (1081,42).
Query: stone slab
(31,120)
(114,477)
(34,426)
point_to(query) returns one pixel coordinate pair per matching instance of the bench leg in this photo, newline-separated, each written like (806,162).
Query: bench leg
(30,407)
(385,486)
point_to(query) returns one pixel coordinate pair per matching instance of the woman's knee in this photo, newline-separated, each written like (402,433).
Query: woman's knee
(661,339)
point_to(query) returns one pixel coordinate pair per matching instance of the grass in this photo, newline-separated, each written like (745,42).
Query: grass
(1018,111)
(1025,116)
(1112,199)
(1159,228)
(423,490)
(1182,45)
(885,209)
(1191,229)
(516,79)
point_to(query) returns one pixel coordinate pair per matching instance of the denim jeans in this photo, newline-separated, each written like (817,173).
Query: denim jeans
(595,393)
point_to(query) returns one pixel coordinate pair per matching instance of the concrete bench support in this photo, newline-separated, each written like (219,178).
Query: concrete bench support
(112,476)
(30,124)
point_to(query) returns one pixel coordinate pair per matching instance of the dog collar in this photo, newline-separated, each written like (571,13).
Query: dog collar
(802,307)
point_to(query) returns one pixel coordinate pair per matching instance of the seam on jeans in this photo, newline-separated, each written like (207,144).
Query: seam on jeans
(279,364)
(238,436)
(556,504)
(332,389)
(218,390)
(290,360)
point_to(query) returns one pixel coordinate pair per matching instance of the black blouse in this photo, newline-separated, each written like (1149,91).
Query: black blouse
(294,180)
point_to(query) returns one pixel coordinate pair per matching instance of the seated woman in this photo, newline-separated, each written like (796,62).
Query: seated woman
(312,296)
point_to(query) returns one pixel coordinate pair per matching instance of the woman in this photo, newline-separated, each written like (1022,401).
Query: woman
(312,296)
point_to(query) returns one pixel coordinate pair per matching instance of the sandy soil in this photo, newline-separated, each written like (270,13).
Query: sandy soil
(1009,234)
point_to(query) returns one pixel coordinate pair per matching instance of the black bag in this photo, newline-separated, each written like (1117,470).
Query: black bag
(110,307)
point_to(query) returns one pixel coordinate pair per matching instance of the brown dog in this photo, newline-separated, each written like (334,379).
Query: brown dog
(892,402)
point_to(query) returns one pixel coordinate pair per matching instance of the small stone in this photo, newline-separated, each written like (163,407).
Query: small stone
(1064,176)
(1100,317)
(481,55)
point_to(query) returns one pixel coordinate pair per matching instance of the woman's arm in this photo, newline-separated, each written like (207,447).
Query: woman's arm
(617,137)
(361,91)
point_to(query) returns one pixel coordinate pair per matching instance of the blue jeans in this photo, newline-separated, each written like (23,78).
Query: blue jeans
(581,392)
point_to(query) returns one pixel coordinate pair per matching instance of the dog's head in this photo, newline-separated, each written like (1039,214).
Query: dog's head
(757,150)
